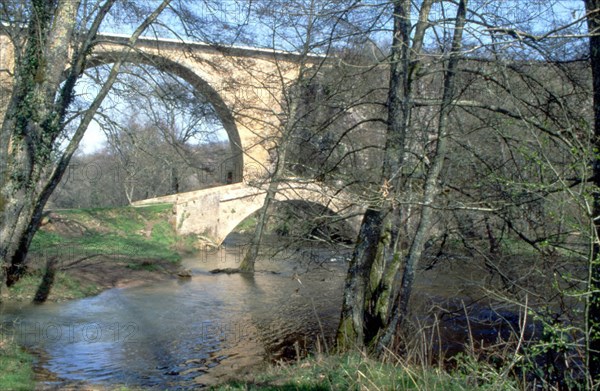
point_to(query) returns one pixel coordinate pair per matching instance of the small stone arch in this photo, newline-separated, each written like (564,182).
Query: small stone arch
(233,214)
(213,213)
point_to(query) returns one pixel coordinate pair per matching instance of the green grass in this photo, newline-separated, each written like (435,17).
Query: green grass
(163,233)
(114,232)
(16,371)
(44,239)
(138,238)
(248,224)
(125,245)
(354,372)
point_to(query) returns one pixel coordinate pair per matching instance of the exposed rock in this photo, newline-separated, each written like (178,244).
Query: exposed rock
(228,270)
(184,273)
(205,244)
(192,370)
(45,221)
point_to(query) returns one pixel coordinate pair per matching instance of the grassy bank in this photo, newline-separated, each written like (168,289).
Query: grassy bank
(80,252)
(138,233)
(93,249)
(352,372)
(88,250)
(355,372)
(16,371)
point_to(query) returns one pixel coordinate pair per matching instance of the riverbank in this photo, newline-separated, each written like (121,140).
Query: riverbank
(118,247)
(357,372)
(81,252)
(352,371)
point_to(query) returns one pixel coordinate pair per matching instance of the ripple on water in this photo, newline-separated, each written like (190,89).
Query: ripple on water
(176,333)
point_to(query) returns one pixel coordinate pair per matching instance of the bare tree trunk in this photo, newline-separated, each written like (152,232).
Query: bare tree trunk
(251,255)
(17,231)
(400,309)
(390,258)
(35,119)
(369,283)
(351,330)
(593,298)
(30,126)
(247,264)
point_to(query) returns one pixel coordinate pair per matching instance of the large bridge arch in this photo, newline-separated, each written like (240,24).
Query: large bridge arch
(244,84)
(236,162)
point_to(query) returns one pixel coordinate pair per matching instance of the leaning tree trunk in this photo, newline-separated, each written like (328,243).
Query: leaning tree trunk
(30,127)
(247,264)
(351,330)
(35,119)
(251,255)
(16,230)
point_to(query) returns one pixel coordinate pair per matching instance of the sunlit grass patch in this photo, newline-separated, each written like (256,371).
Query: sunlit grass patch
(16,371)
(117,233)
(70,241)
(356,372)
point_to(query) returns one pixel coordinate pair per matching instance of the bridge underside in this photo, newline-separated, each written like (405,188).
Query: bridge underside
(213,213)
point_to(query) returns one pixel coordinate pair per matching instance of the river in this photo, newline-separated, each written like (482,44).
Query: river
(184,332)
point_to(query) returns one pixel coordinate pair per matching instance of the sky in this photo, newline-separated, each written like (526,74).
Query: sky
(93,139)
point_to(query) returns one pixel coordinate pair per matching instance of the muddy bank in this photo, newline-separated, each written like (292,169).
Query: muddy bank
(89,278)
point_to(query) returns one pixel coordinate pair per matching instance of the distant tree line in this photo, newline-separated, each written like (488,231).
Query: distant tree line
(107,178)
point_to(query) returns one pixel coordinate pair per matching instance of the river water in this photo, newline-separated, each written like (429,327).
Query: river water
(181,333)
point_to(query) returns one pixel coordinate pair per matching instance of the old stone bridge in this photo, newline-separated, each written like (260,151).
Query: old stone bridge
(246,87)
(213,213)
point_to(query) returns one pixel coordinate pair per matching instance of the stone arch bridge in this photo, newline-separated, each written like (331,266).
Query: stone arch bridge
(245,86)
(213,213)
